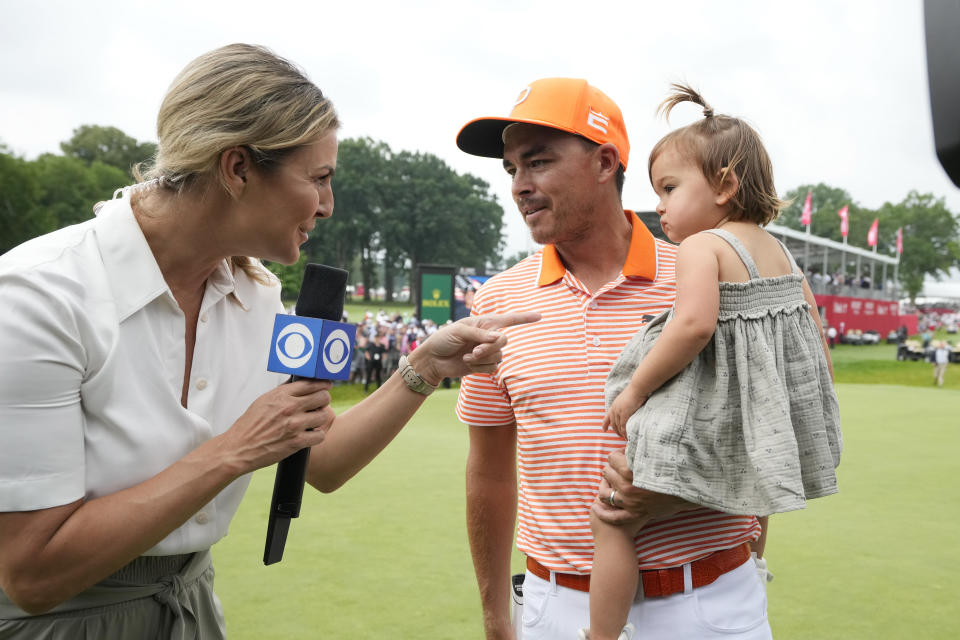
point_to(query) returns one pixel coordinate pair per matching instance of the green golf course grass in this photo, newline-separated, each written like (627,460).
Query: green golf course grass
(387,555)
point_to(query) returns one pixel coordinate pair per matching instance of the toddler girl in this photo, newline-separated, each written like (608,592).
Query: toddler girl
(738,408)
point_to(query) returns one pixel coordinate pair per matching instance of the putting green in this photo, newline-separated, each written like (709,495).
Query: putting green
(387,554)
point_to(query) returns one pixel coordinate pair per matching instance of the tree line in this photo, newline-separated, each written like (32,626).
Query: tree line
(397,209)
(393,210)
(53,191)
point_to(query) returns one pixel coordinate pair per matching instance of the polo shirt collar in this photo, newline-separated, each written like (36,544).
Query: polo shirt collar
(641,257)
(132,270)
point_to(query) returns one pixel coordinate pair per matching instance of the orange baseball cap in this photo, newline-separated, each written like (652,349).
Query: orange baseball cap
(567,104)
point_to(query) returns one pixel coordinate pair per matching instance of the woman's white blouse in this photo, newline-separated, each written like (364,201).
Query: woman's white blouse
(92,363)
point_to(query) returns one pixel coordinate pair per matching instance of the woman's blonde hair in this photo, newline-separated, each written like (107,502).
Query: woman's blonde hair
(723,145)
(237,95)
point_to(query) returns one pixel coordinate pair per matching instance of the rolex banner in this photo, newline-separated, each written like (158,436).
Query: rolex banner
(436,296)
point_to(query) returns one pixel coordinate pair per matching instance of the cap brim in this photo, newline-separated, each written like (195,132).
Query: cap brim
(483,137)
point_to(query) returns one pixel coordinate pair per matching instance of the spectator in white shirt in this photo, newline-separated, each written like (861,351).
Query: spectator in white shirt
(941,357)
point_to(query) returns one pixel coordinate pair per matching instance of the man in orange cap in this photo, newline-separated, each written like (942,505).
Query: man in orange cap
(536,441)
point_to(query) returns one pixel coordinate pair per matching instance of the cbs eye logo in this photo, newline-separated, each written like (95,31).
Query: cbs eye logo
(294,346)
(336,351)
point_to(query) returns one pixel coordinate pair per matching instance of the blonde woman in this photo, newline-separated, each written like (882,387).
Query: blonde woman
(133,397)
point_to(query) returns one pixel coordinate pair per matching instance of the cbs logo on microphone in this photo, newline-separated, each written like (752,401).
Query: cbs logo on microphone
(311,347)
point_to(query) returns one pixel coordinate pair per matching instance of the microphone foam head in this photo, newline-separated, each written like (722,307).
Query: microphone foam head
(322,292)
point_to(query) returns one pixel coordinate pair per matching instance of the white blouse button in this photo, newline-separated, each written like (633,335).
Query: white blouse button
(202,384)
(202,518)
(203,318)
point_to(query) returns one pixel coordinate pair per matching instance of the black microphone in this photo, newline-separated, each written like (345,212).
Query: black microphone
(321,296)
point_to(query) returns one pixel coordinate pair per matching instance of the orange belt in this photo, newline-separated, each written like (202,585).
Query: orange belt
(660,582)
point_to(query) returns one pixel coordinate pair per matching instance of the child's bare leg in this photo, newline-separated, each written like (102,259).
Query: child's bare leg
(613,582)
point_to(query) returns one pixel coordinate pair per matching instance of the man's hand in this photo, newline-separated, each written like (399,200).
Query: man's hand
(631,503)
(499,631)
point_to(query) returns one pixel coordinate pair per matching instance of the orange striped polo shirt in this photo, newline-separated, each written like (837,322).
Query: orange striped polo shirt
(550,382)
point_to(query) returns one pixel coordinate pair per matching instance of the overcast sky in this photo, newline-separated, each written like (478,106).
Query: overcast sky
(838,90)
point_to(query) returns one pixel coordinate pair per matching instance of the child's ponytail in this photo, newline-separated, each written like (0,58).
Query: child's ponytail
(683,93)
(724,146)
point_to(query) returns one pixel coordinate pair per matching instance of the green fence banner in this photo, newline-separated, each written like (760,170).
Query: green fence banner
(436,297)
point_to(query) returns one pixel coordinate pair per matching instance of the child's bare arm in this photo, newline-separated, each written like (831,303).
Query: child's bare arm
(694,319)
(622,407)
(808,295)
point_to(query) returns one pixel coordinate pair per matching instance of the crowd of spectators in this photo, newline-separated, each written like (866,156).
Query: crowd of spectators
(924,344)
(380,341)
(834,283)
(932,319)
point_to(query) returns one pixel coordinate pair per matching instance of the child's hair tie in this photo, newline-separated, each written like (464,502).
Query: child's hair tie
(708,112)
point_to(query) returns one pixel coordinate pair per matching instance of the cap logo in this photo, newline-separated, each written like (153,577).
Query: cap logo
(523,96)
(598,121)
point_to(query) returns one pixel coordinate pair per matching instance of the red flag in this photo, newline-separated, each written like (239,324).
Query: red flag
(872,234)
(807,210)
(900,240)
(844,214)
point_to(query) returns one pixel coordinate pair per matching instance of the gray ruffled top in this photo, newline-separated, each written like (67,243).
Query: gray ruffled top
(751,425)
